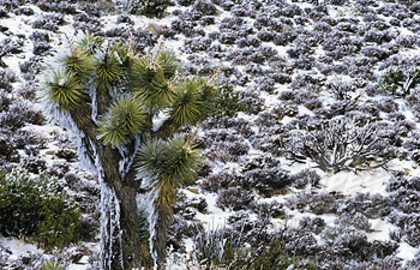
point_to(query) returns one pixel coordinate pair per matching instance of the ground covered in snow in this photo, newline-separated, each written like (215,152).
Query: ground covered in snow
(311,79)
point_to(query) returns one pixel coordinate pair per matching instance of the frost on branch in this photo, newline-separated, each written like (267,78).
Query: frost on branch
(340,144)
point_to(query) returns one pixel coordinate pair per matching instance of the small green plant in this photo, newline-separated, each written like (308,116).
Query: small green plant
(229,103)
(398,82)
(221,249)
(51,265)
(34,207)
(146,7)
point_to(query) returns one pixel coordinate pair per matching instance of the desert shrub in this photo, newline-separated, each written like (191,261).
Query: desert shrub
(49,22)
(356,220)
(36,208)
(340,89)
(398,82)
(315,225)
(317,203)
(51,265)
(340,145)
(305,177)
(235,198)
(11,46)
(372,205)
(146,7)
(223,248)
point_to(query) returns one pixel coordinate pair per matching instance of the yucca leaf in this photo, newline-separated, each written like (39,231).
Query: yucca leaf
(151,159)
(78,62)
(124,118)
(173,163)
(186,107)
(151,79)
(107,69)
(87,43)
(63,88)
(168,64)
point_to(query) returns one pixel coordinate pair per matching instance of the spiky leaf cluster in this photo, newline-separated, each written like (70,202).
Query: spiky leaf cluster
(63,88)
(172,162)
(125,118)
(108,69)
(194,100)
(152,78)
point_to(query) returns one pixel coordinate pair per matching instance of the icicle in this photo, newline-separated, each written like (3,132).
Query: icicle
(110,219)
(94,106)
(128,158)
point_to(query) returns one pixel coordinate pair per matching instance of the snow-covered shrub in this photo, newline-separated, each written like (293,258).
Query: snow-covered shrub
(372,205)
(7,77)
(41,48)
(361,68)
(253,102)
(235,198)
(11,46)
(206,7)
(51,21)
(87,23)
(406,41)
(222,247)
(63,7)
(196,45)
(315,225)
(220,181)
(409,225)
(307,81)
(268,181)
(91,9)
(317,203)
(340,89)
(341,145)
(27,11)
(305,177)
(146,7)
(36,208)
(378,53)
(124,18)
(357,220)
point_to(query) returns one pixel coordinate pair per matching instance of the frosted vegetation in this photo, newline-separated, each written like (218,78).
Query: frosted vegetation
(304,151)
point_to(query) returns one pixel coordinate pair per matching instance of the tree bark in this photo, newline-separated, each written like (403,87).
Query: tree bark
(164,214)
(134,253)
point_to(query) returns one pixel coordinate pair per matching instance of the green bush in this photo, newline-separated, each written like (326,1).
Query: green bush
(146,7)
(398,82)
(228,102)
(222,249)
(51,265)
(34,207)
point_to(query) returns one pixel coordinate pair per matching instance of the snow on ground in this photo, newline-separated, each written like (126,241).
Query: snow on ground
(348,183)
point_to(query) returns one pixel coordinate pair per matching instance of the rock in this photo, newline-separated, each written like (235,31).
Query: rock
(155,29)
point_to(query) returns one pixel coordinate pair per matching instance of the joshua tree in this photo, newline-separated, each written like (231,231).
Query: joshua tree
(126,112)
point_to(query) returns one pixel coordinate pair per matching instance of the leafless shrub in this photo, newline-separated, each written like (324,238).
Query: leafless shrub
(339,145)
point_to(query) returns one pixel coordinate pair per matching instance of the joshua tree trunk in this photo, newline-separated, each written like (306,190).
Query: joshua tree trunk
(125,250)
(164,213)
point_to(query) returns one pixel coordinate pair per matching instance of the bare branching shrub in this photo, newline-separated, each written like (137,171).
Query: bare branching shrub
(341,90)
(339,145)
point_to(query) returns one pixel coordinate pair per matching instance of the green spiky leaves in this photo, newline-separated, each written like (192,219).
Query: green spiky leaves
(152,78)
(63,88)
(108,69)
(78,62)
(194,101)
(173,162)
(125,118)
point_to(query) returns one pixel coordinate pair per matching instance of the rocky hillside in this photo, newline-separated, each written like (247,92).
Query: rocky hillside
(317,144)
